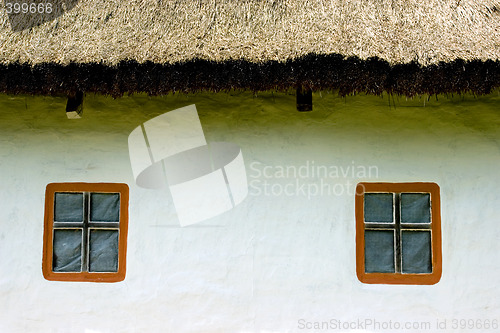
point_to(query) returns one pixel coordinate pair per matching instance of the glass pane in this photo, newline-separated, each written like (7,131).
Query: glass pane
(67,256)
(68,207)
(416,249)
(103,251)
(415,208)
(378,207)
(105,207)
(379,251)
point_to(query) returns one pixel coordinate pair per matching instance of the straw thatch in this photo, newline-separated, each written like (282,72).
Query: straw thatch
(402,46)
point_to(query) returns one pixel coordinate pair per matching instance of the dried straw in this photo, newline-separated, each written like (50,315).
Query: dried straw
(113,47)
(397,31)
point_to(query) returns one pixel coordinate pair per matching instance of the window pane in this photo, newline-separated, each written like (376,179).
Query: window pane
(415,208)
(378,207)
(68,207)
(67,256)
(379,251)
(105,207)
(103,251)
(416,249)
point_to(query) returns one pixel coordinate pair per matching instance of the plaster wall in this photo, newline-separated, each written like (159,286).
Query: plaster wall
(278,262)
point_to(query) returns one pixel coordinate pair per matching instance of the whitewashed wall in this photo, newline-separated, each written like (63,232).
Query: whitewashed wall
(275,263)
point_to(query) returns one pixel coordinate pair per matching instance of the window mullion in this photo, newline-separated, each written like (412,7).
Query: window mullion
(85,240)
(397,223)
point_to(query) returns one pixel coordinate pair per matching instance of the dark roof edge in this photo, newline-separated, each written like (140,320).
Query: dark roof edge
(318,72)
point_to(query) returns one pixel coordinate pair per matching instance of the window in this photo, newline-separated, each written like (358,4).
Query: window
(85,232)
(398,233)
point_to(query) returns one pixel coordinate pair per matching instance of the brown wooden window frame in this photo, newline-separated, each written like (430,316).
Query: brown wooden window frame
(435,228)
(48,238)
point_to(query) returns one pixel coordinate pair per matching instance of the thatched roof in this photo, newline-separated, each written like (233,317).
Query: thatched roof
(158,46)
